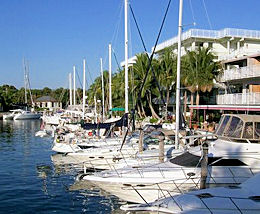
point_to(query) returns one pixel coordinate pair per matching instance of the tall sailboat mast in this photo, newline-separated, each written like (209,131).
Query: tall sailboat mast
(110,75)
(84,88)
(126,56)
(70,85)
(25,82)
(177,114)
(74,85)
(103,92)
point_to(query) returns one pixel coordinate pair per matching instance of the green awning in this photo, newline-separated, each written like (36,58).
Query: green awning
(117,109)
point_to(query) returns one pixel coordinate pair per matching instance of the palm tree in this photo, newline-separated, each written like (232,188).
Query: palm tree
(118,88)
(167,72)
(139,69)
(199,71)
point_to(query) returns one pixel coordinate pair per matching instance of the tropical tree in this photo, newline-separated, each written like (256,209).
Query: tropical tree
(8,95)
(167,73)
(118,89)
(199,71)
(139,69)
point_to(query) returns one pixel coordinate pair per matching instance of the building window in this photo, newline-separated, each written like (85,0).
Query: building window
(199,44)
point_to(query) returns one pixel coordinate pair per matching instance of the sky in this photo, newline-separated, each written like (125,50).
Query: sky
(55,35)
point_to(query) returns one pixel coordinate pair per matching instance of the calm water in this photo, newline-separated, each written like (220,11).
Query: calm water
(29,182)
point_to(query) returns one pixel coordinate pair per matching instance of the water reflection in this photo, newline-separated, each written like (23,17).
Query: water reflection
(38,184)
(86,189)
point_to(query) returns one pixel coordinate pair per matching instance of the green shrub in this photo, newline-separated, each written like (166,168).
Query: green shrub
(153,120)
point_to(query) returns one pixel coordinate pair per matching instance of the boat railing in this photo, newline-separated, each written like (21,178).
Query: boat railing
(192,138)
(194,179)
(164,192)
(232,199)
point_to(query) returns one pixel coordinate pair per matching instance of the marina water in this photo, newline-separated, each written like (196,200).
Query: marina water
(30,183)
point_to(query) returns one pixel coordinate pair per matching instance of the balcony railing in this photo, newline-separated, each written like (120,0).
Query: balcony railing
(240,73)
(210,34)
(239,99)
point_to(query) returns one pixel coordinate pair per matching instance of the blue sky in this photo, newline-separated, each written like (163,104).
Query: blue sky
(54,35)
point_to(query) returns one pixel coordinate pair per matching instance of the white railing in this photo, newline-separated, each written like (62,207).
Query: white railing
(210,34)
(233,32)
(236,54)
(240,73)
(239,99)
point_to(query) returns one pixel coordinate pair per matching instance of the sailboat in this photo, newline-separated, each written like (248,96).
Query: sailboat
(25,114)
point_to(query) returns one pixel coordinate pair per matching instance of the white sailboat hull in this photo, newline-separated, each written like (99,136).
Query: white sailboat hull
(8,117)
(27,116)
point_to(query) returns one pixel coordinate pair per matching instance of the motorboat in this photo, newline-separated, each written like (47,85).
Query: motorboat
(26,115)
(243,198)
(106,155)
(10,115)
(232,158)
(70,144)
(109,158)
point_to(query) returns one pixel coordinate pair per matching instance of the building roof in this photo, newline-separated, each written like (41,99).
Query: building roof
(210,34)
(46,99)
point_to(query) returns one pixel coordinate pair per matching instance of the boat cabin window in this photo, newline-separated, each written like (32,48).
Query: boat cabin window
(257,130)
(248,130)
(235,128)
(223,125)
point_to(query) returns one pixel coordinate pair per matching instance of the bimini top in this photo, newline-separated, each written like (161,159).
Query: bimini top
(239,127)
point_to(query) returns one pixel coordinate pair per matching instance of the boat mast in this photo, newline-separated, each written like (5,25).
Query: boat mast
(110,76)
(28,83)
(74,85)
(177,114)
(126,56)
(25,83)
(95,102)
(84,88)
(103,93)
(70,85)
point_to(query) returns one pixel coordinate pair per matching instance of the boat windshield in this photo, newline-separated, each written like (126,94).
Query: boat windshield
(257,130)
(235,128)
(223,124)
(248,130)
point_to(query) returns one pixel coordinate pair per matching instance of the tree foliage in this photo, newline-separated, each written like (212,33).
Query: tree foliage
(198,72)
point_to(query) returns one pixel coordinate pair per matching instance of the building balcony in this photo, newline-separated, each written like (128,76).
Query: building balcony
(210,34)
(240,73)
(239,99)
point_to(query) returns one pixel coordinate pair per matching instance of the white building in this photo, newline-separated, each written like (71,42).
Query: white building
(48,102)
(239,51)
(242,80)
(225,44)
